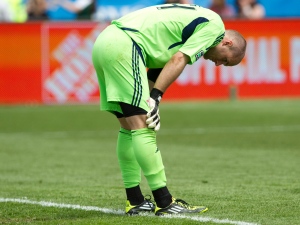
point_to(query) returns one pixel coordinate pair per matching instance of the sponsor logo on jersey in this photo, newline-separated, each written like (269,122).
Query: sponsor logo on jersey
(199,55)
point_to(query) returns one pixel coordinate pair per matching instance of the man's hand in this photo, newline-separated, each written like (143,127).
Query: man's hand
(153,118)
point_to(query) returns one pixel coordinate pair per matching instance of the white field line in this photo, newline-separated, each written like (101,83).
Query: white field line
(121,212)
(182,131)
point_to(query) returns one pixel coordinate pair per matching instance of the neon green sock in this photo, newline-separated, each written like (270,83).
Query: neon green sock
(130,169)
(149,157)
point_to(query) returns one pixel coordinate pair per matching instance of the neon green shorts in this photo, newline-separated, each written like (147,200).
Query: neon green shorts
(120,69)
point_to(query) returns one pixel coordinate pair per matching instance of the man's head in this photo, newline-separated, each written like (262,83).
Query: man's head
(230,51)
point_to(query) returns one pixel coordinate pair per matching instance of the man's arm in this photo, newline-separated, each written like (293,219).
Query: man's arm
(168,75)
(171,71)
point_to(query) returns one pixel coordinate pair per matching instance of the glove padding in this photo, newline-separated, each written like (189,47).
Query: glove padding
(153,118)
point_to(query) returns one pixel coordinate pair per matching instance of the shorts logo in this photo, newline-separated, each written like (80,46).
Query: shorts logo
(199,55)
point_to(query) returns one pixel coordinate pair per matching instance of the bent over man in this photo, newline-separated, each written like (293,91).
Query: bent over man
(163,38)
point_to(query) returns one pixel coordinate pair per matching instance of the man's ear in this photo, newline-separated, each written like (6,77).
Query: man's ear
(227,42)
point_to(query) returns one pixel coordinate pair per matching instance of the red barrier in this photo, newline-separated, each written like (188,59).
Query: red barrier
(51,63)
(20,63)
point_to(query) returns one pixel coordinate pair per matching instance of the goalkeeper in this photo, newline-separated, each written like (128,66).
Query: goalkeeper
(163,38)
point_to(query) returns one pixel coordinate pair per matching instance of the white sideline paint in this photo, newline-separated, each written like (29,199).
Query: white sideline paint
(62,205)
(121,212)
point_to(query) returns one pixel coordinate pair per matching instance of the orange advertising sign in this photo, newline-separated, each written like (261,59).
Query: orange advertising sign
(51,63)
(20,63)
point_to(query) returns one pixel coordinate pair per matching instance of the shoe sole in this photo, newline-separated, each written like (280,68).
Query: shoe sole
(162,214)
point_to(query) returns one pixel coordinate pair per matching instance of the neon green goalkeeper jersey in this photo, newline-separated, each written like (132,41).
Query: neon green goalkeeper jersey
(163,30)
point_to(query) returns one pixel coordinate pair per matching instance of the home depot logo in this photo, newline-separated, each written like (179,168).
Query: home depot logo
(68,72)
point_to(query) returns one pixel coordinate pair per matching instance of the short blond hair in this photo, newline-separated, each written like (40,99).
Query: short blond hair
(239,42)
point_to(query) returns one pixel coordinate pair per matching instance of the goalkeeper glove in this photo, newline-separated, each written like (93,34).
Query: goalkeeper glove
(153,118)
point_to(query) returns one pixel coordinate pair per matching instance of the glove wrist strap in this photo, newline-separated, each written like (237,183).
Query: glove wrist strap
(156,94)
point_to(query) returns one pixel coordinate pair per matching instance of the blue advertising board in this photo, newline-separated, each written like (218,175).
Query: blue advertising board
(107,10)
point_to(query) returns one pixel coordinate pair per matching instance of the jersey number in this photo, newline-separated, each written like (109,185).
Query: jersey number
(174,6)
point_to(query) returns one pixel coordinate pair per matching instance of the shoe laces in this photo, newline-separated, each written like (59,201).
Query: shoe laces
(183,203)
(148,200)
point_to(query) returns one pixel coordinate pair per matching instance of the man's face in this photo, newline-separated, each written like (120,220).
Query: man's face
(222,55)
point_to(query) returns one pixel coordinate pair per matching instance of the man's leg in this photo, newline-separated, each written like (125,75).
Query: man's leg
(130,169)
(149,158)
(147,153)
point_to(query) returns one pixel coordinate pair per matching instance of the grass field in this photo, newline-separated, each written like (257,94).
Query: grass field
(241,159)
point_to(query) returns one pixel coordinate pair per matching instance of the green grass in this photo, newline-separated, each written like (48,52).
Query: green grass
(241,159)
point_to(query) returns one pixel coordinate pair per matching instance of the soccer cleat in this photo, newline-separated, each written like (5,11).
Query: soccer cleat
(179,206)
(146,206)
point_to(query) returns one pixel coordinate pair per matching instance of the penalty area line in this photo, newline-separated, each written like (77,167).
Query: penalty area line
(120,212)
